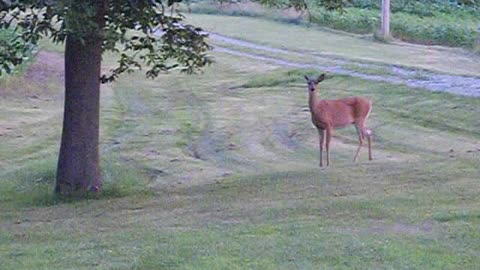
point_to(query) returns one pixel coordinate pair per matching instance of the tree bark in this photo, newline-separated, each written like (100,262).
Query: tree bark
(385,31)
(78,170)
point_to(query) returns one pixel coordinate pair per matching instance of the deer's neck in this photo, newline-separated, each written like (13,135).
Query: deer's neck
(313,100)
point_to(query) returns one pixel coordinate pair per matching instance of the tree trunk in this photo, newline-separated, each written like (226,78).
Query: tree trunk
(385,31)
(78,170)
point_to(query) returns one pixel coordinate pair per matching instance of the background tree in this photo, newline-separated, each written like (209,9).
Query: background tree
(88,28)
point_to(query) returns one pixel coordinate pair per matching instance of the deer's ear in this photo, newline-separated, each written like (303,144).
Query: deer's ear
(306,78)
(321,78)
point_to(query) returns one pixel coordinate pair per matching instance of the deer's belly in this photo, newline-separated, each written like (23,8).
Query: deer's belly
(341,120)
(342,124)
(333,124)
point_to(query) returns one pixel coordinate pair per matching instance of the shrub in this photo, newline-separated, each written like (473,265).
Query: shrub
(440,29)
(360,21)
(433,30)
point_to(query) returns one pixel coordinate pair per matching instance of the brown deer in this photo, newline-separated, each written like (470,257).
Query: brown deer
(328,115)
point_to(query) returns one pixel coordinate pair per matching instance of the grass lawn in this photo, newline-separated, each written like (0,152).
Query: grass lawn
(220,171)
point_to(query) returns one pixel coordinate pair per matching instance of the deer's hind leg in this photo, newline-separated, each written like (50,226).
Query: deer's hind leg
(363,133)
(369,135)
(360,141)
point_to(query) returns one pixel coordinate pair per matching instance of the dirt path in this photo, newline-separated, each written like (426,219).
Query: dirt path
(414,78)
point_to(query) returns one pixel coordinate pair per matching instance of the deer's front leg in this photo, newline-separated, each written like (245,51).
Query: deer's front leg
(329,132)
(321,133)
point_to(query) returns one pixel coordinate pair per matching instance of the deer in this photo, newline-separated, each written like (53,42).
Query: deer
(328,115)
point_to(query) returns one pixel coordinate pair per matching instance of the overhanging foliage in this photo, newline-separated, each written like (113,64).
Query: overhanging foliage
(141,31)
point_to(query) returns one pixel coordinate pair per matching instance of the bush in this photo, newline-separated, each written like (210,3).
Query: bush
(440,29)
(360,21)
(433,30)
(422,7)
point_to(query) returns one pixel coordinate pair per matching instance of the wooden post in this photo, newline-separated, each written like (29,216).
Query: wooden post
(477,45)
(385,31)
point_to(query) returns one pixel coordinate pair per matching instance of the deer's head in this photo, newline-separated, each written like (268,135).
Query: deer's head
(313,83)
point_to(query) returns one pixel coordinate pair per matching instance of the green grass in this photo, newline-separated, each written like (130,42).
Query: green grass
(220,171)
(460,216)
(370,70)
(279,79)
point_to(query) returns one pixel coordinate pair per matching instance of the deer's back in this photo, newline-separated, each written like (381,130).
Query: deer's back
(340,112)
